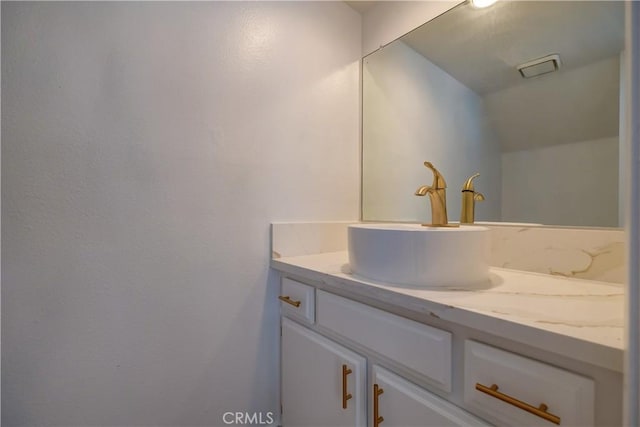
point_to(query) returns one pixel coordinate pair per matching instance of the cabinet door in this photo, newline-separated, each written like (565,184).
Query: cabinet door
(401,403)
(323,383)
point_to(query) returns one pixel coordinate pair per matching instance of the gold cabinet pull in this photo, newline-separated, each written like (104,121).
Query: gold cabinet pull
(288,300)
(345,396)
(540,411)
(377,419)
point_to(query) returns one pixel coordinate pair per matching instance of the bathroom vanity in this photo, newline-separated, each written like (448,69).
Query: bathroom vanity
(541,343)
(528,349)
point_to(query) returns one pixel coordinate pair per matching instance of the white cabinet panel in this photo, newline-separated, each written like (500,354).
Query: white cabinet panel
(297,300)
(424,349)
(314,383)
(569,398)
(405,404)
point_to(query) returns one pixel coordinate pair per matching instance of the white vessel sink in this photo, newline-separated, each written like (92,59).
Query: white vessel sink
(415,255)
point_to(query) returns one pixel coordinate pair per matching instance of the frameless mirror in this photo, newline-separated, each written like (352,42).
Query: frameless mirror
(525,93)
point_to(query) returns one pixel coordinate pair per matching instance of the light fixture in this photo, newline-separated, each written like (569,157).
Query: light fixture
(480,4)
(537,67)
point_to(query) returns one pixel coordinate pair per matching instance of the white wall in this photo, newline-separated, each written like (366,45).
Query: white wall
(146,148)
(570,184)
(414,112)
(389,20)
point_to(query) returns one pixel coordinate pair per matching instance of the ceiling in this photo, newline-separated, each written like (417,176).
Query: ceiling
(482,47)
(361,6)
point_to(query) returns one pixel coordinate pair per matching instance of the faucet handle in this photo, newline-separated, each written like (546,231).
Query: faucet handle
(468,184)
(478,197)
(438,180)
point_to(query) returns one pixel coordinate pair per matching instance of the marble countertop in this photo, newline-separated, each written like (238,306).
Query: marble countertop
(580,319)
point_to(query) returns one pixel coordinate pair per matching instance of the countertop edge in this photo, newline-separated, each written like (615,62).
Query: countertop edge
(579,349)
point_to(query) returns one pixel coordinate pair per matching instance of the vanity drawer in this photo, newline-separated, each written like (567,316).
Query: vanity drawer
(523,385)
(423,349)
(297,300)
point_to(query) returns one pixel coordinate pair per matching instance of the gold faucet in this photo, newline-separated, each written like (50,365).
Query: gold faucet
(438,196)
(469,198)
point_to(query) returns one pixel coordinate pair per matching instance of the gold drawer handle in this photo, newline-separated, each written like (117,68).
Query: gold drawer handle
(540,411)
(345,396)
(377,419)
(288,300)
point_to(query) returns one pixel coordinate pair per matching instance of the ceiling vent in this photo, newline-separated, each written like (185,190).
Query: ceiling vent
(537,67)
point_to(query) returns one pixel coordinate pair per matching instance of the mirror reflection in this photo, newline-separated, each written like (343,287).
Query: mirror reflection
(525,93)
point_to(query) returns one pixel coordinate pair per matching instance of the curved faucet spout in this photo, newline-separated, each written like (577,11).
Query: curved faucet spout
(423,190)
(468,184)
(469,198)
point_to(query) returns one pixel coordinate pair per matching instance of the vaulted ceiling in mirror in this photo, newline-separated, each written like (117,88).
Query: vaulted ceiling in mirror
(497,39)
(481,48)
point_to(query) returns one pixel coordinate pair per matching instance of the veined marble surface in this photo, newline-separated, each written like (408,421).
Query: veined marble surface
(576,318)
(592,254)
(584,253)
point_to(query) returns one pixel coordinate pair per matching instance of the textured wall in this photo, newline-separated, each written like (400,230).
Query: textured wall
(146,148)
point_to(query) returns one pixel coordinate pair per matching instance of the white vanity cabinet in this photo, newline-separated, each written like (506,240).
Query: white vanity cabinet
(323,383)
(347,363)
